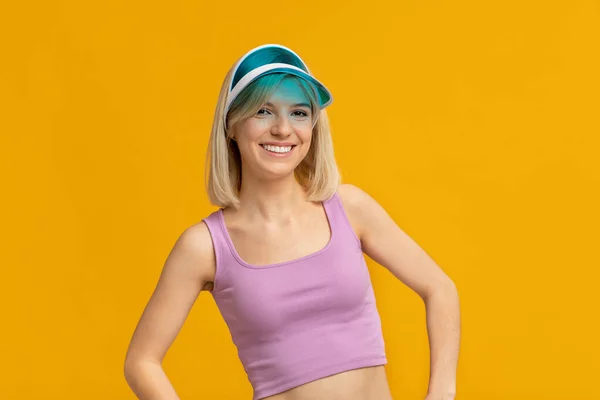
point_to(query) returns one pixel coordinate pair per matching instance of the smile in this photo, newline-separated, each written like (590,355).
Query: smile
(277,149)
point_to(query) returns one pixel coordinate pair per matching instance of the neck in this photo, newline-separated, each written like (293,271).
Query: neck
(271,200)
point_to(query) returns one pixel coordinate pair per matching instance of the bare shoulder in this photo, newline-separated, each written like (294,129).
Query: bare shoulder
(352,195)
(195,245)
(197,240)
(355,201)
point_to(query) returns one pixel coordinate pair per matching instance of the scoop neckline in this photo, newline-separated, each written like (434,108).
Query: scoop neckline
(238,258)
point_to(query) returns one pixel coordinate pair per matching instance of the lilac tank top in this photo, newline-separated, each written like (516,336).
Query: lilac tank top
(297,321)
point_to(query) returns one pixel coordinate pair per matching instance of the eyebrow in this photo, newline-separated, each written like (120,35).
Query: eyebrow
(293,105)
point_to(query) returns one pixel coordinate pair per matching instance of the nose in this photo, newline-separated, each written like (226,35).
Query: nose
(282,126)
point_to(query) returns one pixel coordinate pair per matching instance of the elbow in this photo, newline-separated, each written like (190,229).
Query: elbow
(449,285)
(137,362)
(129,364)
(134,364)
(131,368)
(444,288)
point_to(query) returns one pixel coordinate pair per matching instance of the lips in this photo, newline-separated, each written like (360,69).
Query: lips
(278,149)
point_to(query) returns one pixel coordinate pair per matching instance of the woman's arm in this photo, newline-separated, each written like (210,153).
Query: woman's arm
(389,246)
(443,327)
(186,271)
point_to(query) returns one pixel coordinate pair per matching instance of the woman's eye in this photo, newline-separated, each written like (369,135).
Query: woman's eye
(302,113)
(262,109)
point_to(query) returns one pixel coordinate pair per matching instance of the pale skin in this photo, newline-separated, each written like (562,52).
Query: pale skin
(274,205)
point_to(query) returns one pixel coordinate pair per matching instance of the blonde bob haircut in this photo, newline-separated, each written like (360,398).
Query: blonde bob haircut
(317,173)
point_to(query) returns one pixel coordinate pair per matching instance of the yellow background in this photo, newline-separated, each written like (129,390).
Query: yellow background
(474,123)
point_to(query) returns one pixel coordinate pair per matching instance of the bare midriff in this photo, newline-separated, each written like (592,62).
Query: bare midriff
(358,384)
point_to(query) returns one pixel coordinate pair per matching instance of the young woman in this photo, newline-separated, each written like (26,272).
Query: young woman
(283,254)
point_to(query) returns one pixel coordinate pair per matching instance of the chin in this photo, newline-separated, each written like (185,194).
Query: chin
(275,174)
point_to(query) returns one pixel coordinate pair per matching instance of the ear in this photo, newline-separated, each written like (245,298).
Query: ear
(230,134)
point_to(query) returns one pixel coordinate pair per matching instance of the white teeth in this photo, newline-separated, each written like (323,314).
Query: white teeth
(277,149)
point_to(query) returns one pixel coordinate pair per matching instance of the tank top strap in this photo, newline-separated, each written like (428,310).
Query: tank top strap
(223,256)
(338,220)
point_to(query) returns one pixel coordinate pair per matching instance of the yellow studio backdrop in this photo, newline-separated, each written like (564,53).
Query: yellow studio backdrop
(475,124)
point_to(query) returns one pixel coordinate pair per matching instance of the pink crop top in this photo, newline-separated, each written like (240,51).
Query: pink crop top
(297,321)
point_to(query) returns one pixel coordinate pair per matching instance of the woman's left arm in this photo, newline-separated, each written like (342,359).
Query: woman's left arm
(384,242)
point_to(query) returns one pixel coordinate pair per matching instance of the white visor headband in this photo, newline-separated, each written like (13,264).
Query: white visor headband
(268,59)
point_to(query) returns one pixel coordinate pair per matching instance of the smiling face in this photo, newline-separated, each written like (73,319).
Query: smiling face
(274,141)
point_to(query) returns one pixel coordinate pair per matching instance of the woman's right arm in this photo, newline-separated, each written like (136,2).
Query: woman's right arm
(189,266)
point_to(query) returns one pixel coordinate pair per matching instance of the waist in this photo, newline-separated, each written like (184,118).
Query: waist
(368,383)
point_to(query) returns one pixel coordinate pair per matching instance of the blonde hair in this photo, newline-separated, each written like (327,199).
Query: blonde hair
(317,173)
